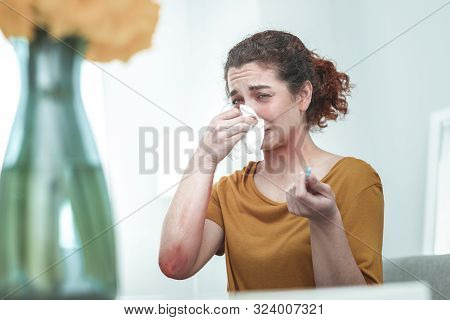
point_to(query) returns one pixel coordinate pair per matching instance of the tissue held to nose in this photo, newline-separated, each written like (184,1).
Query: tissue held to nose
(252,142)
(246,110)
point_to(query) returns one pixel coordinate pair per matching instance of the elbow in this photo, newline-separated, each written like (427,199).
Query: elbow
(174,264)
(171,270)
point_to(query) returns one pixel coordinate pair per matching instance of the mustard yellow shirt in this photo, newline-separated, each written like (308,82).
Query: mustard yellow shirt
(266,247)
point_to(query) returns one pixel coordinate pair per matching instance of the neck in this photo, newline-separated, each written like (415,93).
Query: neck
(283,163)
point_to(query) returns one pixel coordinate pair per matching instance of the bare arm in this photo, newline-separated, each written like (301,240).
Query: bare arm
(188,240)
(184,223)
(333,260)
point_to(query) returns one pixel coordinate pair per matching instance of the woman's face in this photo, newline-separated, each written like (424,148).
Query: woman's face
(260,88)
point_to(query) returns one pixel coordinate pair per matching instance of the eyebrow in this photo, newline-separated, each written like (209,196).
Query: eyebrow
(252,88)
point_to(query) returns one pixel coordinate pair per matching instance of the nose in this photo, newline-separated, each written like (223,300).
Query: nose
(249,105)
(248,111)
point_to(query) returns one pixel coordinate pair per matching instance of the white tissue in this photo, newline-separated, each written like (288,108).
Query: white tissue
(252,141)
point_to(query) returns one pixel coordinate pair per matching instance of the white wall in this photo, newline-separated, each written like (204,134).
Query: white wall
(396,89)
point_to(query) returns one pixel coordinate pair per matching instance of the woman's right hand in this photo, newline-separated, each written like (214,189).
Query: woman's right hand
(224,131)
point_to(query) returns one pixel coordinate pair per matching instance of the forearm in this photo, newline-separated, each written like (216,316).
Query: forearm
(184,222)
(333,261)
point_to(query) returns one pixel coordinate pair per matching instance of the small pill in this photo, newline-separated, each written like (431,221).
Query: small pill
(308,172)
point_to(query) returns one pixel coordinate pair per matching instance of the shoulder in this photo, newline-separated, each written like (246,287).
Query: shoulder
(360,168)
(356,179)
(357,173)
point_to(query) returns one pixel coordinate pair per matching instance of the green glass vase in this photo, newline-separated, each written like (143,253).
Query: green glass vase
(56,235)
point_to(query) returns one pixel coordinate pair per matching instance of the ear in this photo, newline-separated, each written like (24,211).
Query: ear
(303,97)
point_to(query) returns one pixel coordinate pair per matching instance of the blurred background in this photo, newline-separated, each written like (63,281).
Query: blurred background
(396,54)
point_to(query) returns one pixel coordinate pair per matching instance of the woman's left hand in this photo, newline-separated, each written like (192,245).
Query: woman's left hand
(311,198)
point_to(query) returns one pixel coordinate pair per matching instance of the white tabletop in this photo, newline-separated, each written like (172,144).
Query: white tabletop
(414,290)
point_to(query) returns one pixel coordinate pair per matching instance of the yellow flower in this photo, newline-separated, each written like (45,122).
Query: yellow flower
(114,29)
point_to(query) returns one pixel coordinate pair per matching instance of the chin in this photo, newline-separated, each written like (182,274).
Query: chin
(272,144)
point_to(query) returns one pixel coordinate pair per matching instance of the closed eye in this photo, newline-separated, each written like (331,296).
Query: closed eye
(260,96)
(234,101)
(263,96)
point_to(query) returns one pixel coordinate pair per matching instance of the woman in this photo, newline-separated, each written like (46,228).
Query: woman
(277,227)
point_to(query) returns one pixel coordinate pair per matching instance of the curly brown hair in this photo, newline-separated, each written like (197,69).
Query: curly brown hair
(295,64)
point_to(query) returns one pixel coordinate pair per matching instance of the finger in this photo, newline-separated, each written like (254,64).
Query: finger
(230,114)
(291,190)
(294,205)
(300,183)
(237,128)
(301,192)
(234,139)
(317,186)
(290,197)
(241,119)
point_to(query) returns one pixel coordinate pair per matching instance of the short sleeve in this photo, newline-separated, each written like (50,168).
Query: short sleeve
(363,220)
(214,212)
